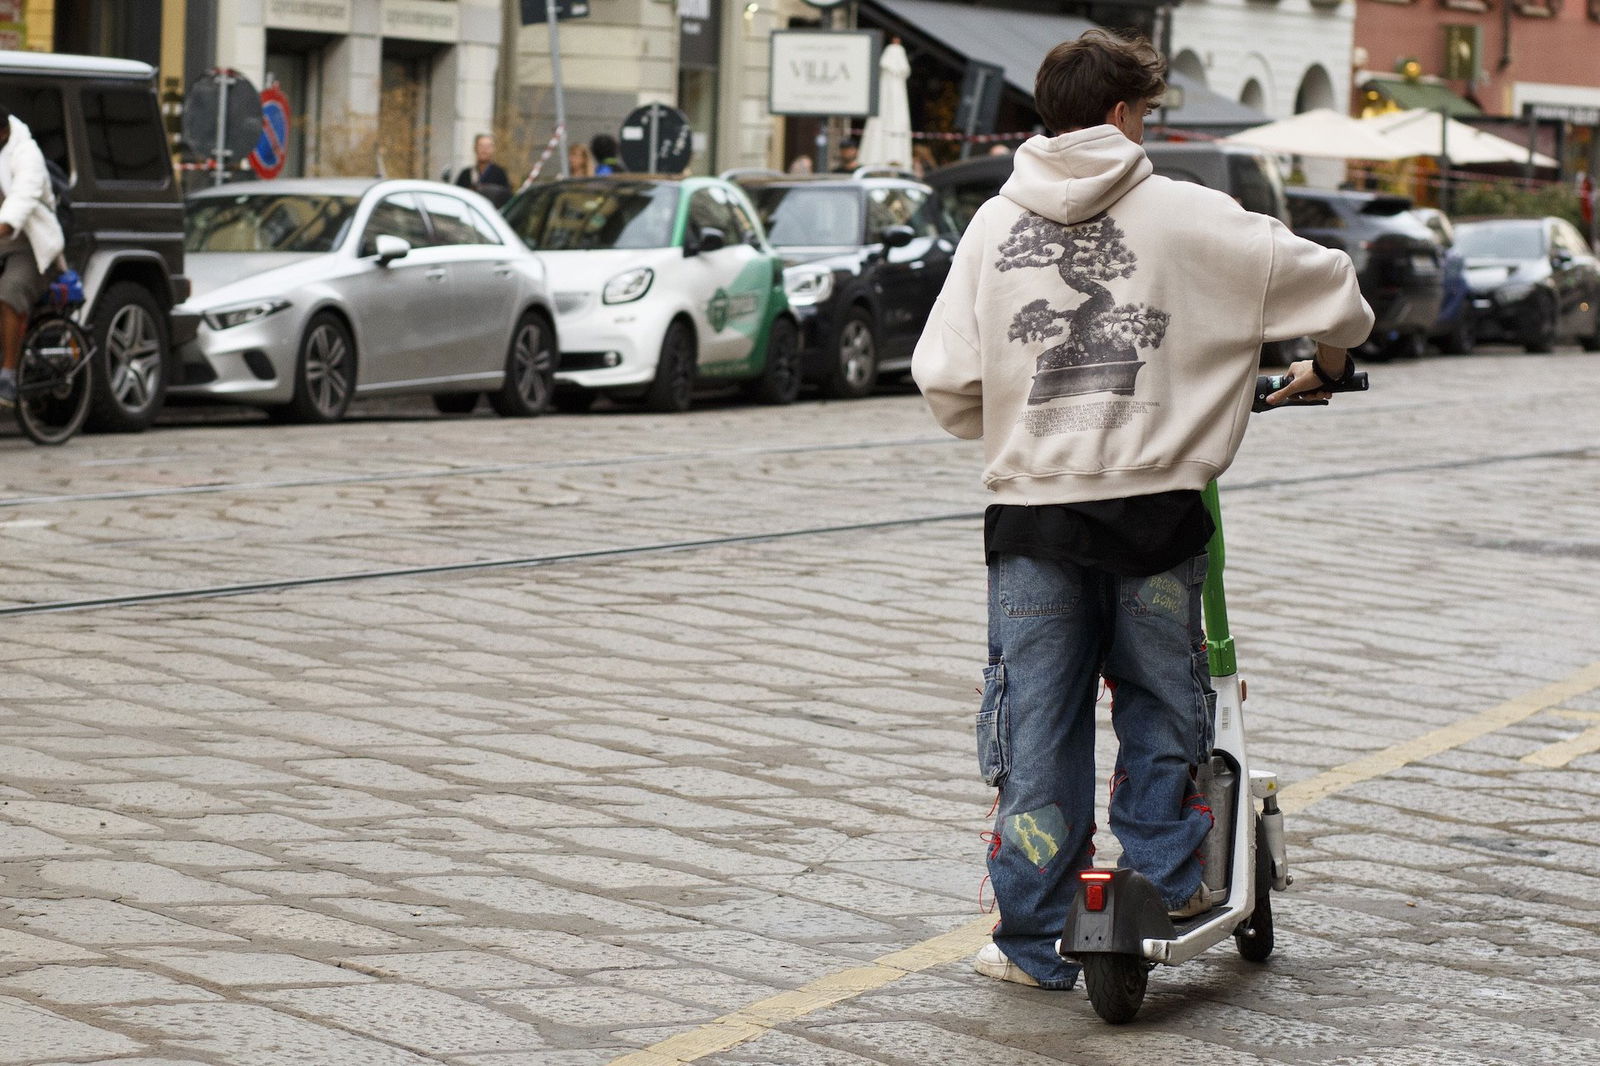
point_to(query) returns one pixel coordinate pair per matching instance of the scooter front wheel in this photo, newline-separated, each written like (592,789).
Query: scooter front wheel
(1254,937)
(1116,985)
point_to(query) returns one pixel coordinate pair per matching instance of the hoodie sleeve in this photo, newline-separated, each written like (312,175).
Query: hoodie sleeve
(946,365)
(1312,292)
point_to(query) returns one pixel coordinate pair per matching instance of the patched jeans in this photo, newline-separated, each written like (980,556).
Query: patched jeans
(1054,629)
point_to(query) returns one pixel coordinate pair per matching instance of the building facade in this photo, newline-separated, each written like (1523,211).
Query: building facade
(1279,57)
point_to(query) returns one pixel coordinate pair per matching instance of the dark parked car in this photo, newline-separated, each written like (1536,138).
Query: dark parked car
(99,122)
(1534,281)
(1455,331)
(1396,259)
(865,257)
(1249,175)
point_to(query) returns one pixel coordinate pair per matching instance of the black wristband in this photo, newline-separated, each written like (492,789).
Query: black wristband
(1344,375)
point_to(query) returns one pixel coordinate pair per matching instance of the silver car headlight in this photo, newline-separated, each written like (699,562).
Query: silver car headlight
(239,314)
(628,286)
(807,285)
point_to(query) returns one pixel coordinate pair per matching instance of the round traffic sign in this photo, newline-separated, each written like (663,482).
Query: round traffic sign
(664,128)
(272,150)
(240,127)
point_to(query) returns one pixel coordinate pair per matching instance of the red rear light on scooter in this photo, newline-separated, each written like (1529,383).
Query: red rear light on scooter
(1094,889)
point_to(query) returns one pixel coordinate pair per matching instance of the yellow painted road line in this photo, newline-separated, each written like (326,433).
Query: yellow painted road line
(1563,752)
(760,1018)
(1304,793)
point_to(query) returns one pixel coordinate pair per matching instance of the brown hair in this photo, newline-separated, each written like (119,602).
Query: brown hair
(1080,81)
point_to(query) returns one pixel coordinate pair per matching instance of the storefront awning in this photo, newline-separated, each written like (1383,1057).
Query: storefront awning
(1410,95)
(1017,42)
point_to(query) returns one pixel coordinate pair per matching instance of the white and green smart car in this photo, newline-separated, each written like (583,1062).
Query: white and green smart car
(661,285)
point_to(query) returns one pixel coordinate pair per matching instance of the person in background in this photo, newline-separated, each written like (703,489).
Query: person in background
(580,162)
(800,164)
(485,175)
(30,241)
(922,161)
(603,147)
(849,153)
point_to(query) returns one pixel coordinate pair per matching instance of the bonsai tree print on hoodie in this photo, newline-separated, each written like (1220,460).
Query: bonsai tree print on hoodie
(1100,352)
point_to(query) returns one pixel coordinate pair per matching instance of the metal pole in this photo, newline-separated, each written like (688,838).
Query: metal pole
(224,77)
(1444,160)
(655,137)
(555,75)
(980,86)
(1533,141)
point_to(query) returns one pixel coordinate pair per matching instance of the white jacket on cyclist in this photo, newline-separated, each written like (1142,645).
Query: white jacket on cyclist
(1101,325)
(30,202)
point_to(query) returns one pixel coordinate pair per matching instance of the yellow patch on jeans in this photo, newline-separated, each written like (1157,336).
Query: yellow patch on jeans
(1037,834)
(1166,595)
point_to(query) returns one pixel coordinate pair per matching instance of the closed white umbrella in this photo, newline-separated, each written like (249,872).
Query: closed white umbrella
(1321,134)
(886,138)
(1425,132)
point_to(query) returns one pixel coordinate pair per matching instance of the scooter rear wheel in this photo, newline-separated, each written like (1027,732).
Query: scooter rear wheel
(1254,937)
(1116,985)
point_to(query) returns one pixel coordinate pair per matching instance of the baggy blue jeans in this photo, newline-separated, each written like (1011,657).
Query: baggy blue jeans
(1054,629)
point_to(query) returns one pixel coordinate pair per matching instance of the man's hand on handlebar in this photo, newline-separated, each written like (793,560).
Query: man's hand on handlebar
(1304,385)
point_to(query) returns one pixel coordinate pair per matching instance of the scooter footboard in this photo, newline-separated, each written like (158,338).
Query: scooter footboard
(1114,911)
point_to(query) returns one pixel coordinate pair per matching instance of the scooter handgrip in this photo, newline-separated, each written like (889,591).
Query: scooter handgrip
(1267,384)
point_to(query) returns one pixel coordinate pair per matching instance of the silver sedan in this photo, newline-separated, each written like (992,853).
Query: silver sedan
(312,293)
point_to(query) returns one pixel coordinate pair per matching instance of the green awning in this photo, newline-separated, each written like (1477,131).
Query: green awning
(1413,94)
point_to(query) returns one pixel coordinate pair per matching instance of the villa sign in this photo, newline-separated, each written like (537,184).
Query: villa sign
(824,72)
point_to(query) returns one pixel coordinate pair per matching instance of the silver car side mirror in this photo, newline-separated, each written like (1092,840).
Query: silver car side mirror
(390,248)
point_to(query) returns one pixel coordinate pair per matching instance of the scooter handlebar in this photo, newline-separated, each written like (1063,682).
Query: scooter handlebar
(1267,384)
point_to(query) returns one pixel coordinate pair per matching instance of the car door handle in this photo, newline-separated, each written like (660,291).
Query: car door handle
(437,274)
(503,270)
(919,264)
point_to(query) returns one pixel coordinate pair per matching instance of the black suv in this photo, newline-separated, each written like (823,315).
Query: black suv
(98,120)
(1398,260)
(865,256)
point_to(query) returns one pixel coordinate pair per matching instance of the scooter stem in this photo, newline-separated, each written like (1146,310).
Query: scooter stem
(1219,641)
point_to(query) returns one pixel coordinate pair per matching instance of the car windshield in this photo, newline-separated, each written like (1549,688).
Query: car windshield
(586,216)
(267,222)
(1524,240)
(796,216)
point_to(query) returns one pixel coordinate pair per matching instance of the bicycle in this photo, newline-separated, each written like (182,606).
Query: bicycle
(53,373)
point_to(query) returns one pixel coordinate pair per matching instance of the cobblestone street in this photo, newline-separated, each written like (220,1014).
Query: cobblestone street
(636,739)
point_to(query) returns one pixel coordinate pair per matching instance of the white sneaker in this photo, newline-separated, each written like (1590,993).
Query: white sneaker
(1202,900)
(992,962)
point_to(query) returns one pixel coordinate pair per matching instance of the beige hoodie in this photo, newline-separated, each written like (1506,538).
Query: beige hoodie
(1101,326)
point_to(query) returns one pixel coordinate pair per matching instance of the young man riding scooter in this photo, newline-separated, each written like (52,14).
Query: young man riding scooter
(1100,330)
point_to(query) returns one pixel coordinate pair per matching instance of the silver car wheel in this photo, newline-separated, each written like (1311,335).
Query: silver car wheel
(532,363)
(133,356)
(857,357)
(327,370)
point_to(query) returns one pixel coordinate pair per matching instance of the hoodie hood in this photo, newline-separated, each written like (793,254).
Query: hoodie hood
(1077,175)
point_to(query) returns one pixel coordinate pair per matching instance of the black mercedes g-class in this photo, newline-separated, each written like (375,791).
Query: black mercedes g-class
(99,121)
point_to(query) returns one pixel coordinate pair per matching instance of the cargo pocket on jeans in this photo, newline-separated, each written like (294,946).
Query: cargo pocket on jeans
(992,740)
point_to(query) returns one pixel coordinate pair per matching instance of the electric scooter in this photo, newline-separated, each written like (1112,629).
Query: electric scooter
(1118,928)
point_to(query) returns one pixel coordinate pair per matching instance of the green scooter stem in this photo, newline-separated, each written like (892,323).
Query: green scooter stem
(1219,642)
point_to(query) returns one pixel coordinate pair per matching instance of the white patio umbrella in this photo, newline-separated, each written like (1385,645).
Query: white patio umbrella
(886,138)
(1321,134)
(1426,132)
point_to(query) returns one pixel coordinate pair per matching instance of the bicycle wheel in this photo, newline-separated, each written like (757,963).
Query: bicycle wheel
(53,380)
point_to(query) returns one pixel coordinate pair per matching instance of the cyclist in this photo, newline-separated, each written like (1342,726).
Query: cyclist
(30,241)
(1101,330)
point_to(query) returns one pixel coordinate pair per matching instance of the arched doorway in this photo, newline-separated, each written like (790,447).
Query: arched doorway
(1187,63)
(1316,90)
(1253,95)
